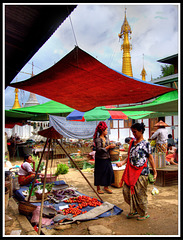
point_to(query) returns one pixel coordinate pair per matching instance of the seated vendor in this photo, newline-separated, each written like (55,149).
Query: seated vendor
(172,155)
(26,173)
(91,155)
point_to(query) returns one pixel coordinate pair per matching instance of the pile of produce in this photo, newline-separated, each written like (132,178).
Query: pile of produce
(65,193)
(83,201)
(61,169)
(72,210)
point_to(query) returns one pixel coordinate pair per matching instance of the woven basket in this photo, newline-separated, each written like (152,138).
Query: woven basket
(6,198)
(117,178)
(114,153)
(79,163)
(39,195)
(49,178)
(26,208)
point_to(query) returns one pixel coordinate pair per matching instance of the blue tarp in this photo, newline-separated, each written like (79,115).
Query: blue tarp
(19,196)
(76,130)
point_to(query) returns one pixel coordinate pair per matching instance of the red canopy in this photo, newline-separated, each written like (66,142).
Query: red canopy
(82,82)
(50,133)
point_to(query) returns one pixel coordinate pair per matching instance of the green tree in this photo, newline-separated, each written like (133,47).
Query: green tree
(167,70)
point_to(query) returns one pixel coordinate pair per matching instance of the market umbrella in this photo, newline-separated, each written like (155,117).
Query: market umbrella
(50,133)
(97,114)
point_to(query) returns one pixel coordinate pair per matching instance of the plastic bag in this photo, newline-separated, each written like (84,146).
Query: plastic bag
(155,191)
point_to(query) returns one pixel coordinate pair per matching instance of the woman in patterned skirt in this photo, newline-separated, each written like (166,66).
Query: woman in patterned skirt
(161,136)
(26,173)
(135,176)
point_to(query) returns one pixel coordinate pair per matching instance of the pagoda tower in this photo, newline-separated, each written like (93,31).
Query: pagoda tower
(143,73)
(32,101)
(16,103)
(126,47)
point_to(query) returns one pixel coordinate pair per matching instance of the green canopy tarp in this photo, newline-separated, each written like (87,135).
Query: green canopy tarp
(165,104)
(20,115)
(42,111)
(16,118)
(49,107)
(147,114)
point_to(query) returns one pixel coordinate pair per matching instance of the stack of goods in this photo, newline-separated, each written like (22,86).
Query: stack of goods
(159,159)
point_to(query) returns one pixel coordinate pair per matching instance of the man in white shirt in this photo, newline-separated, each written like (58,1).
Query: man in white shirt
(161,136)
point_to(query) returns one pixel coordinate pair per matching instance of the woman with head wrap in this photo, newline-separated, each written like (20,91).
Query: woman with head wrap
(103,172)
(135,176)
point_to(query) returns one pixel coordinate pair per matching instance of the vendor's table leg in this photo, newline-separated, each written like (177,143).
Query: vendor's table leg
(42,201)
(79,170)
(37,170)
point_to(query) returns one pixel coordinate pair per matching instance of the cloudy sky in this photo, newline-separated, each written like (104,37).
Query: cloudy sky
(155,33)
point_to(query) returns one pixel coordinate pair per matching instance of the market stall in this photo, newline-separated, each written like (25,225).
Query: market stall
(51,133)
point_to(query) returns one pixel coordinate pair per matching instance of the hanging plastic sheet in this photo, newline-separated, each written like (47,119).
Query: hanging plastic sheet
(76,130)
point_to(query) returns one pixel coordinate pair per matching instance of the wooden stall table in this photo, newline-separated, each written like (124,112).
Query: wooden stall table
(38,151)
(167,176)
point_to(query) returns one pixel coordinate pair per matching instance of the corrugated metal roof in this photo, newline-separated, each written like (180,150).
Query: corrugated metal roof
(27,28)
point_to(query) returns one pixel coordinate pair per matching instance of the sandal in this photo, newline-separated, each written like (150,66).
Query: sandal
(108,190)
(100,191)
(131,215)
(141,218)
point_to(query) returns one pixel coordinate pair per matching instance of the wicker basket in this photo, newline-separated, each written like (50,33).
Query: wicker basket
(117,178)
(39,195)
(26,208)
(6,198)
(49,178)
(79,163)
(114,153)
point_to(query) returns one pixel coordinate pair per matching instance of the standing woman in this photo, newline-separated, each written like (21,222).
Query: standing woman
(135,176)
(161,136)
(103,172)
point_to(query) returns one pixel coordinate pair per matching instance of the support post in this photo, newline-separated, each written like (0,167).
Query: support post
(79,169)
(37,170)
(44,184)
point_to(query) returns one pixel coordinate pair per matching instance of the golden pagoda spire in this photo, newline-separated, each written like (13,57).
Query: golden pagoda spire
(126,47)
(143,73)
(16,103)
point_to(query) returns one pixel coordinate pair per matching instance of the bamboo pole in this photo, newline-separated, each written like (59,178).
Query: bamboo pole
(79,170)
(37,170)
(175,85)
(44,184)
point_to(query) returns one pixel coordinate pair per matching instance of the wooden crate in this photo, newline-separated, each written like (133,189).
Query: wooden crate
(117,178)
(167,176)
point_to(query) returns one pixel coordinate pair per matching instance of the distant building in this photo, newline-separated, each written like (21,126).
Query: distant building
(32,101)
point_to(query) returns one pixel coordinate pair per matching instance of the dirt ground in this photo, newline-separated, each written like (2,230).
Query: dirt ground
(162,208)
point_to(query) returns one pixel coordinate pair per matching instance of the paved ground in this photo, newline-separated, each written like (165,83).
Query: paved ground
(162,208)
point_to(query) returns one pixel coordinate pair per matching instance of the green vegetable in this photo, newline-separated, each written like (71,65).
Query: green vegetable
(48,186)
(36,160)
(151,178)
(61,169)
